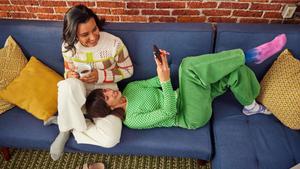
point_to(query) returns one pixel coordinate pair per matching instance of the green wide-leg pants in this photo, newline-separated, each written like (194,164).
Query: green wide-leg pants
(204,77)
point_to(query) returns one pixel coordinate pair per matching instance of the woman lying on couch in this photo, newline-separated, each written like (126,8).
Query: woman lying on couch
(153,103)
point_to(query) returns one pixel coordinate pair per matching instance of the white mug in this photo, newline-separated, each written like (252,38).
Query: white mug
(83,70)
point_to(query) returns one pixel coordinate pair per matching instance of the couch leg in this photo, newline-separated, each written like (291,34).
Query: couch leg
(5,153)
(201,162)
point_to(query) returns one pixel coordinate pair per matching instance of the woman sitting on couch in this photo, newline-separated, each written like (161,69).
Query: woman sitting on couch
(93,59)
(153,103)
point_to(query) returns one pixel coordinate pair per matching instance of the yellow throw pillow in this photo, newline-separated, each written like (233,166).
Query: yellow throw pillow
(35,90)
(280,90)
(12,61)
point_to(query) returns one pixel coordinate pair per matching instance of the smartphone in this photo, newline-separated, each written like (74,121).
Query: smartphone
(157,53)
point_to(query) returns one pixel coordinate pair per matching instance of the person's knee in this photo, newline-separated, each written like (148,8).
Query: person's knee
(198,121)
(185,68)
(70,83)
(185,63)
(242,70)
(111,143)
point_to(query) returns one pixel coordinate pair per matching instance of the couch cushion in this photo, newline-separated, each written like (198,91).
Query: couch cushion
(248,36)
(22,130)
(251,142)
(180,40)
(177,142)
(28,90)
(258,141)
(36,38)
(159,141)
(12,61)
(280,90)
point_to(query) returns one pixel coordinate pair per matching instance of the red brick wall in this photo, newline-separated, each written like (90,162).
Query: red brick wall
(239,11)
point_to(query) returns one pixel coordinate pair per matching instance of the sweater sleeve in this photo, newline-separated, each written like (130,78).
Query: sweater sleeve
(151,119)
(169,101)
(68,63)
(123,66)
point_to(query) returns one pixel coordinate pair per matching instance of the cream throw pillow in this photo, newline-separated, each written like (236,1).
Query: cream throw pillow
(280,90)
(12,61)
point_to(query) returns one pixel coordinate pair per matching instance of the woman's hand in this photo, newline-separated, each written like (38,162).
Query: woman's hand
(163,70)
(90,78)
(72,74)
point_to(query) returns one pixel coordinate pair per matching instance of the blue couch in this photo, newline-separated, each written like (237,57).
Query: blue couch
(43,40)
(231,140)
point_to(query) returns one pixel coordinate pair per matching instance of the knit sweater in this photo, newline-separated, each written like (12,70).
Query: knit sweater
(110,57)
(150,104)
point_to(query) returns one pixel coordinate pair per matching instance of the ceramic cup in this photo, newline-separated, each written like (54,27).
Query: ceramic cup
(84,70)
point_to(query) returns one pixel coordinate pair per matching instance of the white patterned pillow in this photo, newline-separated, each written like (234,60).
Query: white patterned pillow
(12,61)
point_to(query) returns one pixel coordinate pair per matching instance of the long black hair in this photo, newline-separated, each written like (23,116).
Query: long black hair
(74,16)
(96,106)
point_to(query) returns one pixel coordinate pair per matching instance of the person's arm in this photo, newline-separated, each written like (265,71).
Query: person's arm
(162,67)
(168,109)
(163,73)
(152,82)
(145,119)
(104,132)
(123,68)
(68,64)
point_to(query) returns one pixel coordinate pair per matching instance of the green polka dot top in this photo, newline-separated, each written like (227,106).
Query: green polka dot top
(150,104)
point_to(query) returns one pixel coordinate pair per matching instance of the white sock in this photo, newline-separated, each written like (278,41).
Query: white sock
(253,106)
(57,147)
(51,120)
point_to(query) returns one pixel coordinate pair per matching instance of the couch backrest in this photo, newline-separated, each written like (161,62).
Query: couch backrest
(179,39)
(43,40)
(36,38)
(247,36)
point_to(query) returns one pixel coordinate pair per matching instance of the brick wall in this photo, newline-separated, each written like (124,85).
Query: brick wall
(239,11)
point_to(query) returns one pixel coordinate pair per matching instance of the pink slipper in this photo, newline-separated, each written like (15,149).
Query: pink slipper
(92,166)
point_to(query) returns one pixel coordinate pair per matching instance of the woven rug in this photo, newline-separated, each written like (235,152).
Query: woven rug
(39,159)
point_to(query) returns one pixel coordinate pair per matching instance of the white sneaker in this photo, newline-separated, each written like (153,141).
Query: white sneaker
(261,109)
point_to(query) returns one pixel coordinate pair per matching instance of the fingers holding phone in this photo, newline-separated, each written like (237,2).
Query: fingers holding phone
(164,58)
(163,70)
(159,54)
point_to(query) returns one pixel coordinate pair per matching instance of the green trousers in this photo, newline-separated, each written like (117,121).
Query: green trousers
(204,77)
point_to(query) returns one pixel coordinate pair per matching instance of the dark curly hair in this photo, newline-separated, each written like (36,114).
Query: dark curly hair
(97,107)
(73,17)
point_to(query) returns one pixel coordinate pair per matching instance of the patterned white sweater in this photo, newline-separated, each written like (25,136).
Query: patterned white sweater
(110,57)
